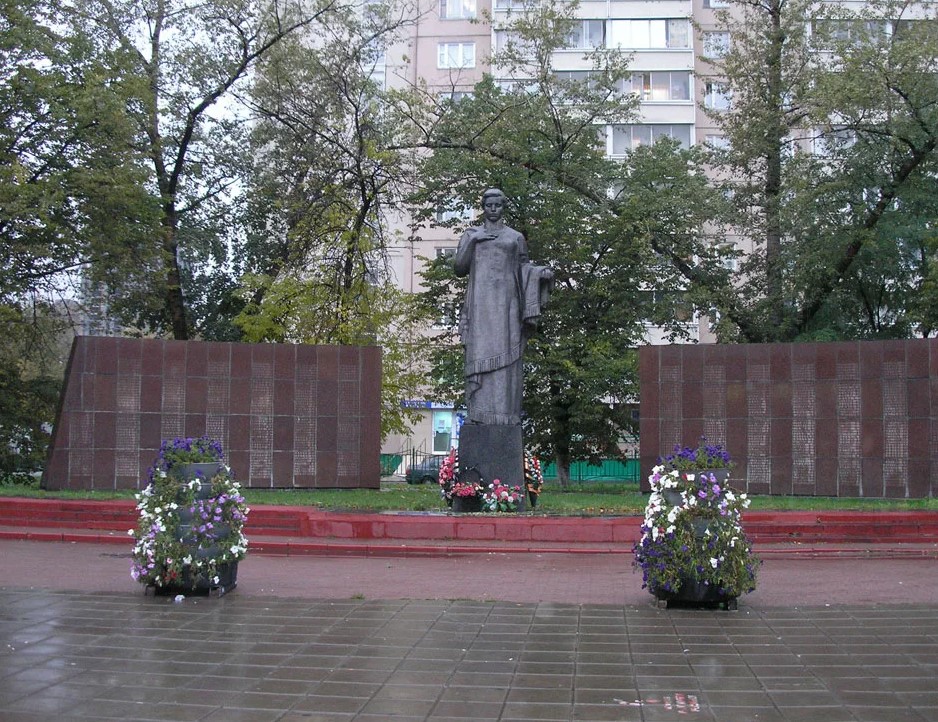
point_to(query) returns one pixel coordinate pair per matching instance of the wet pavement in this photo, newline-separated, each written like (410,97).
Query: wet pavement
(504,637)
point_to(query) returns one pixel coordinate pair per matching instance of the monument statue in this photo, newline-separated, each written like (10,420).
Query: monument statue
(503,302)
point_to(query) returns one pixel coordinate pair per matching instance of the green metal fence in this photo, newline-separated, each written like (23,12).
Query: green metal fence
(606,470)
(390,462)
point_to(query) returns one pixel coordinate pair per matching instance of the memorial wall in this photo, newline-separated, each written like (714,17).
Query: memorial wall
(286,415)
(852,419)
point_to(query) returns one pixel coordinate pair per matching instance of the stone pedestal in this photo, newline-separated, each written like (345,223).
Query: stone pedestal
(496,451)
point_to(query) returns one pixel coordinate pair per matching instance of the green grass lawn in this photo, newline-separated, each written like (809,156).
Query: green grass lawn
(597,499)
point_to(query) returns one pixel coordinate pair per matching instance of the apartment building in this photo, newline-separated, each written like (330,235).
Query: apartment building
(449,50)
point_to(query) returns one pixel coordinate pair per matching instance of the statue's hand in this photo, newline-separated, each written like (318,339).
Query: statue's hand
(483,235)
(547,274)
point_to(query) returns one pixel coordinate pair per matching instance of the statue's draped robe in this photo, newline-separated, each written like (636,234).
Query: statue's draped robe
(502,303)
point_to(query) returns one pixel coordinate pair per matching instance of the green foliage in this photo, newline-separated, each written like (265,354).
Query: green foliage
(309,310)
(30,378)
(71,190)
(189,64)
(831,164)
(323,187)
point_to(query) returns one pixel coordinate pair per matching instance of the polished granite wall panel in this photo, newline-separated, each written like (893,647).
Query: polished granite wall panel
(286,415)
(837,419)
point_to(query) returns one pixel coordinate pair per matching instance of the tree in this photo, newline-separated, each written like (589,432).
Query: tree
(600,224)
(830,163)
(72,205)
(194,59)
(71,193)
(30,376)
(323,187)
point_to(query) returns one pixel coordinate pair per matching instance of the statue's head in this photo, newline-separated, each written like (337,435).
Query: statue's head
(493,192)
(493,204)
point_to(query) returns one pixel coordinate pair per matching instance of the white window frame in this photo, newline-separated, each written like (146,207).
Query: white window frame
(454,96)
(654,131)
(717,142)
(457,55)
(580,37)
(458,9)
(716,43)
(717,96)
(646,90)
(649,34)
(449,214)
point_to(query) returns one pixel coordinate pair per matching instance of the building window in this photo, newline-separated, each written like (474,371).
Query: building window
(716,44)
(454,96)
(442,431)
(510,4)
(715,4)
(444,215)
(669,304)
(832,33)
(504,38)
(830,142)
(518,85)
(588,34)
(456,55)
(457,9)
(717,142)
(671,33)
(576,76)
(717,96)
(660,85)
(626,138)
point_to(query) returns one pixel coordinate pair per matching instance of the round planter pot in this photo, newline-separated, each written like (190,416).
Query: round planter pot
(203,471)
(673,498)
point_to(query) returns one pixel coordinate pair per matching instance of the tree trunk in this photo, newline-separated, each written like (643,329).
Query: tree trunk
(175,303)
(561,438)
(773,176)
(563,468)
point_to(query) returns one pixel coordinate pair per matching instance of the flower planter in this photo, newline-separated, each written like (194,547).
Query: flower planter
(467,504)
(189,537)
(693,549)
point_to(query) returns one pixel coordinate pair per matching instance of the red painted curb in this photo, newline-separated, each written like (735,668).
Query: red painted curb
(278,528)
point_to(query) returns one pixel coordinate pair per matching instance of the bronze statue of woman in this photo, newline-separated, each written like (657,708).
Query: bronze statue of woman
(503,302)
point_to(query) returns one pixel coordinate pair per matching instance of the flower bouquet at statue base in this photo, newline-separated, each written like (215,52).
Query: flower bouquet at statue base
(462,485)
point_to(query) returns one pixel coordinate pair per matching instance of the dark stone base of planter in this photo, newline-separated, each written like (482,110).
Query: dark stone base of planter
(227,580)
(467,504)
(695,594)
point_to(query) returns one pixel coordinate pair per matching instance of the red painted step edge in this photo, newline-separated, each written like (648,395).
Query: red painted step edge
(309,523)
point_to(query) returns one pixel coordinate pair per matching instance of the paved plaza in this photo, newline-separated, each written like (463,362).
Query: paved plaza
(502,637)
